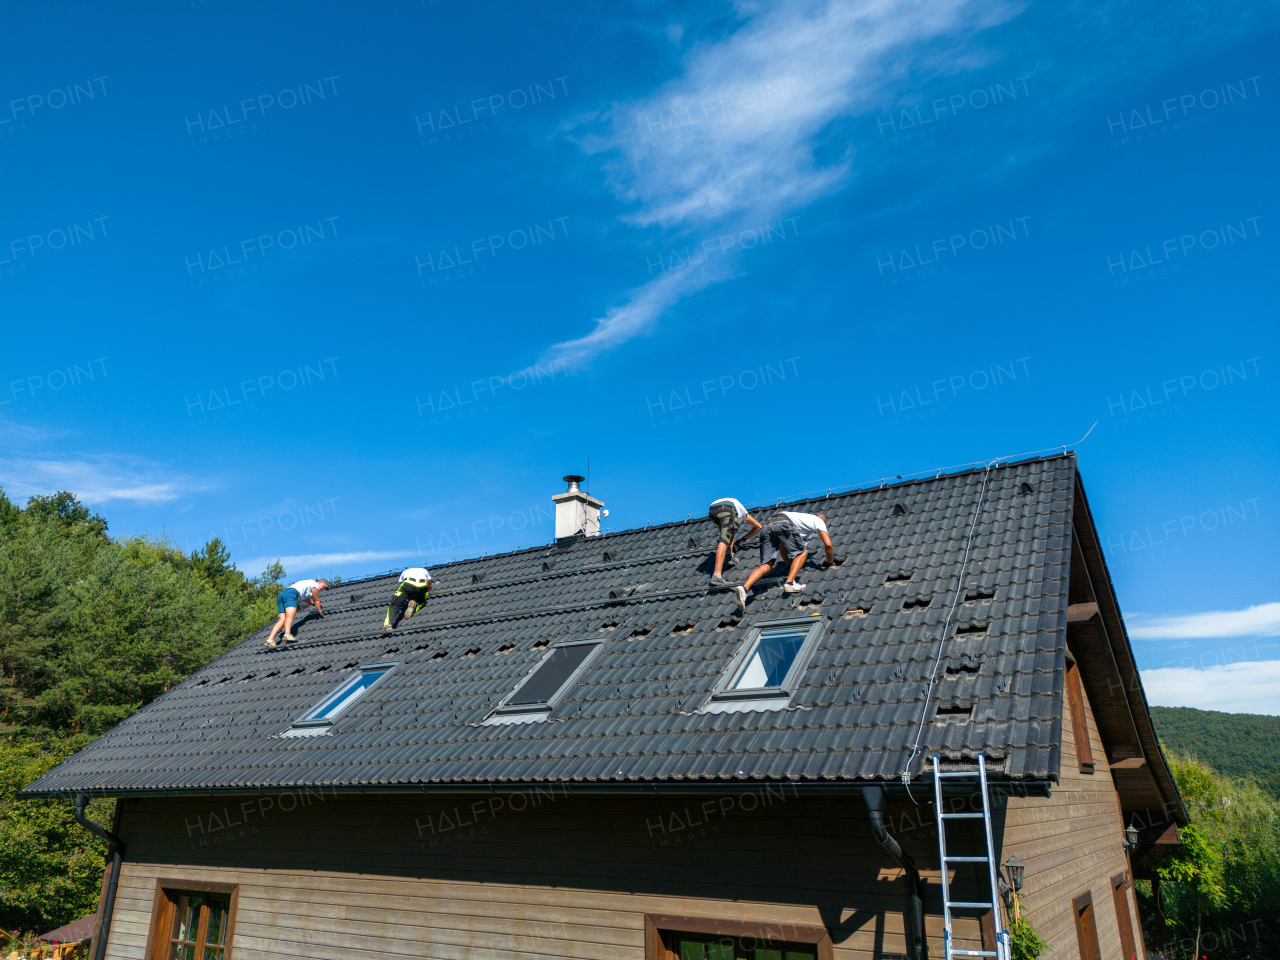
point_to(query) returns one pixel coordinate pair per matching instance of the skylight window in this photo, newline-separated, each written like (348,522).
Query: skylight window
(331,707)
(543,688)
(768,667)
(770,658)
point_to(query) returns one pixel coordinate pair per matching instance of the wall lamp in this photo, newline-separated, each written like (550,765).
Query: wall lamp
(1130,837)
(1013,869)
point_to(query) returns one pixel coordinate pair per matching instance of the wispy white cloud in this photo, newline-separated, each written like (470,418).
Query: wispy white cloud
(739,131)
(635,317)
(740,136)
(1246,687)
(1261,620)
(318,563)
(96,479)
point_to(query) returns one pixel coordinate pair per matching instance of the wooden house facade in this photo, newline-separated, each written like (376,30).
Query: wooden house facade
(461,806)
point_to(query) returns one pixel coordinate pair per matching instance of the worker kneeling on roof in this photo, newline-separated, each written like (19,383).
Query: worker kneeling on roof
(782,538)
(728,514)
(410,596)
(287,600)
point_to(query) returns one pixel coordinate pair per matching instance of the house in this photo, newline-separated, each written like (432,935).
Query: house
(581,750)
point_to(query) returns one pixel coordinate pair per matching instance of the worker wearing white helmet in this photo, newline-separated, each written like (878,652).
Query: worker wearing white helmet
(410,596)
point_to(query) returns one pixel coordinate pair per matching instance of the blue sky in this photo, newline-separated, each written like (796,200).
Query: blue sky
(354,286)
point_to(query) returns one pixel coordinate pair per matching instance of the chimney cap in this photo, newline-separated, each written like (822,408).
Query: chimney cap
(573,480)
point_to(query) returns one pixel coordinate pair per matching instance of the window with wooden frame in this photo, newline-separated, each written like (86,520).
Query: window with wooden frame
(192,920)
(694,938)
(1079,719)
(1120,885)
(1086,927)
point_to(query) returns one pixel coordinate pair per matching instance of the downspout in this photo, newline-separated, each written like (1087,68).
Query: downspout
(117,857)
(873,797)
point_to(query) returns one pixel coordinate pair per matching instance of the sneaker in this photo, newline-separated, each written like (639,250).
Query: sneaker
(793,587)
(288,638)
(269,643)
(386,628)
(730,563)
(740,594)
(717,581)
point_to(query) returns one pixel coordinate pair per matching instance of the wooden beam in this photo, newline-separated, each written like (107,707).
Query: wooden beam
(1081,612)
(1130,763)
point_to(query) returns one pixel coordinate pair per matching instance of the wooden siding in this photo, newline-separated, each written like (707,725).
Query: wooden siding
(551,875)
(1072,843)
(567,876)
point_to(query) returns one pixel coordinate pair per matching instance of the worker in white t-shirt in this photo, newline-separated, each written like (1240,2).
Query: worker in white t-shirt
(410,596)
(304,591)
(782,538)
(728,514)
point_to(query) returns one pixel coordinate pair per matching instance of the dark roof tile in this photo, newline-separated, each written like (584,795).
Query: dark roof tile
(636,714)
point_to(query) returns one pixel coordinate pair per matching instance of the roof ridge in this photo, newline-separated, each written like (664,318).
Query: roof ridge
(882,483)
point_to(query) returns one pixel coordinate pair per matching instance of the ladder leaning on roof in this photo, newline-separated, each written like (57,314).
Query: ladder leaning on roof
(1002,951)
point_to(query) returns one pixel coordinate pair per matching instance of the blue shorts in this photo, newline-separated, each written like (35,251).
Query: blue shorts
(288,597)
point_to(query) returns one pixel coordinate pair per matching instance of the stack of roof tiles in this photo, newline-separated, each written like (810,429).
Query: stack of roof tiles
(635,715)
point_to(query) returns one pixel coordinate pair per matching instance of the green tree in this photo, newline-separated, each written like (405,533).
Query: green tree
(1217,892)
(92,629)
(1197,866)
(50,866)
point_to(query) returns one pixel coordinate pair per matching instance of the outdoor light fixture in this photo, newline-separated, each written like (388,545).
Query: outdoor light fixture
(1013,868)
(1130,837)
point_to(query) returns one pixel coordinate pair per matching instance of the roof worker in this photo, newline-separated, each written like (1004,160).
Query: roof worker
(410,597)
(782,538)
(727,514)
(304,591)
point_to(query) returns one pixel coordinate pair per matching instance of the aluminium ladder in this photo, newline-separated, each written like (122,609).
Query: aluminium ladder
(1002,950)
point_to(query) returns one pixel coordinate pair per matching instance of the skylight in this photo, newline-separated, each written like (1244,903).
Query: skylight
(767,669)
(770,658)
(551,678)
(334,705)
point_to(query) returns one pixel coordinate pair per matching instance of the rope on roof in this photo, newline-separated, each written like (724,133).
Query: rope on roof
(946,625)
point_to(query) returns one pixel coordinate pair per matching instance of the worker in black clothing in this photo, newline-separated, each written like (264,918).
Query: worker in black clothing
(410,596)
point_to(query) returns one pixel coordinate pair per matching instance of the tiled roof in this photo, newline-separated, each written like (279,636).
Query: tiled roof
(635,715)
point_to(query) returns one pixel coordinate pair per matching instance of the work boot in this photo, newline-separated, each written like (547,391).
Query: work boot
(793,587)
(386,628)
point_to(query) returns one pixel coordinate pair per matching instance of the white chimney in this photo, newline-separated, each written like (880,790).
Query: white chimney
(577,512)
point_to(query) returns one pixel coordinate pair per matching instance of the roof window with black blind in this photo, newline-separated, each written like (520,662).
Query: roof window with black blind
(319,718)
(766,671)
(537,694)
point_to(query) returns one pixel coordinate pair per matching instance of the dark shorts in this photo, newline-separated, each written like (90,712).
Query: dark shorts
(780,537)
(725,517)
(288,597)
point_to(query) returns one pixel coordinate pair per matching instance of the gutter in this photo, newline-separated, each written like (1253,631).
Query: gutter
(792,788)
(874,798)
(117,857)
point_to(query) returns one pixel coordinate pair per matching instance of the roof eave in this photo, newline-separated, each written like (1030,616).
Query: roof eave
(923,785)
